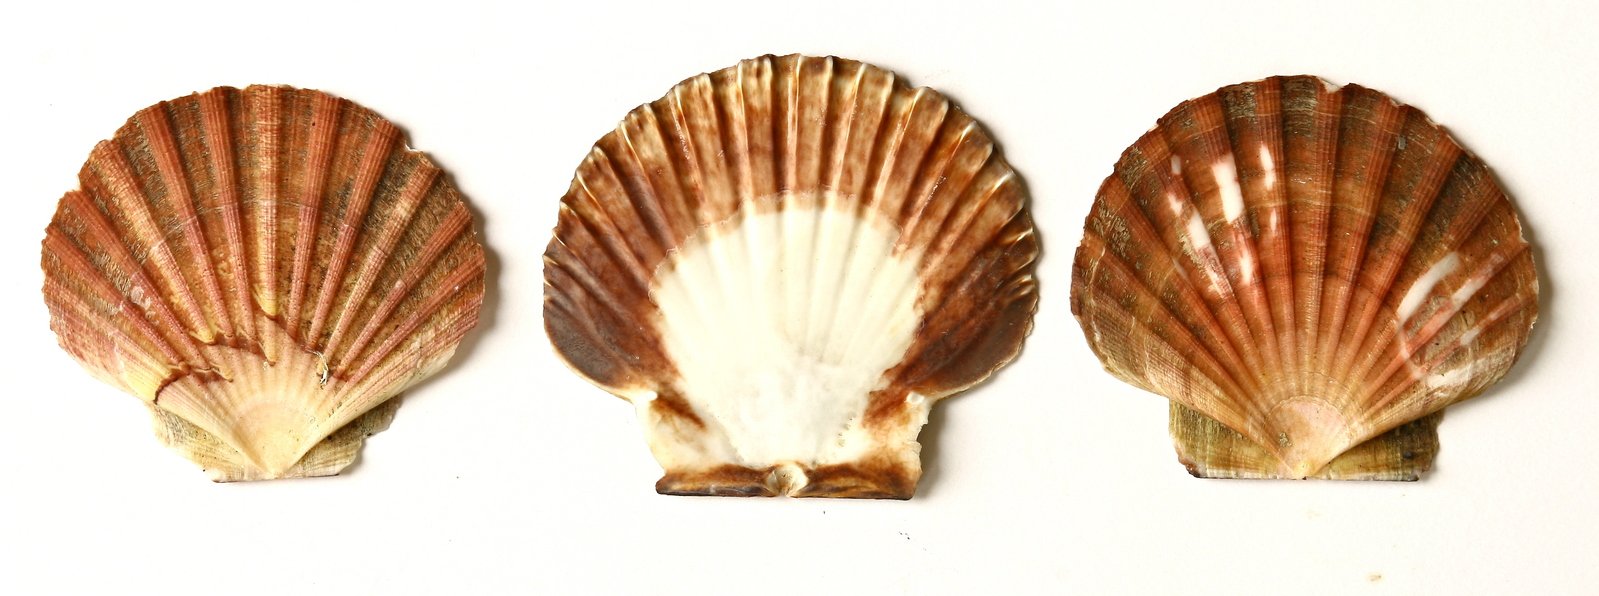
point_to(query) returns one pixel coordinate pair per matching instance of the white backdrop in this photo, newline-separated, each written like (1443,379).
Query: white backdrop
(509,474)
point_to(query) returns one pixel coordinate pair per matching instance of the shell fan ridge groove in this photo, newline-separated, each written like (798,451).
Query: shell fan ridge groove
(266,269)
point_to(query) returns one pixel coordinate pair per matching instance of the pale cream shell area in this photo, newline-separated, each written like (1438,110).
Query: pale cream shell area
(783,265)
(266,268)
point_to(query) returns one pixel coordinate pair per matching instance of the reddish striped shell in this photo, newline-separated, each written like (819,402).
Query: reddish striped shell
(265,268)
(1311,267)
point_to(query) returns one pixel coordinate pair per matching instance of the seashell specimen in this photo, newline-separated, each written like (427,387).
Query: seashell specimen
(265,268)
(783,265)
(1310,274)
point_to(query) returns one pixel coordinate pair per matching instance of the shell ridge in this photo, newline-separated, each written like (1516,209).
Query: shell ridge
(732,110)
(374,164)
(913,219)
(965,231)
(863,160)
(990,178)
(1351,337)
(1437,322)
(1195,134)
(75,315)
(71,257)
(611,242)
(664,183)
(841,130)
(572,314)
(1232,243)
(265,128)
(1253,119)
(1319,132)
(1362,165)
(659,174)
(986,299)
(1464,227)
(1438,168)
(217,141)
(1188,238)
(326,117)
(787,125)
(886,144)
(855,216)
(638,201)
(127,198)
(114,247)
(1109,266)
(431,308)
(455,224)
(814,105)
(913,204)
(156,125)
(395,225)
(1120,206)
(705,192)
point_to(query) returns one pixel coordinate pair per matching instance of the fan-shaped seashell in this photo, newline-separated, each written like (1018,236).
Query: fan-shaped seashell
(1310,274)
(782,265)
(266,268)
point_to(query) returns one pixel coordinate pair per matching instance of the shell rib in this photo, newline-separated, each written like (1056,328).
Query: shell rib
(1310,274)
(782,265)
(263,268)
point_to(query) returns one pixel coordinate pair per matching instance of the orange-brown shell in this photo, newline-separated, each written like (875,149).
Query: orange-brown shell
(264,267)
(1301,269)
(778,135)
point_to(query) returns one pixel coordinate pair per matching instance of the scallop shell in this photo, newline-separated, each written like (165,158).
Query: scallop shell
(1310,274)
(266,269)
(783,265)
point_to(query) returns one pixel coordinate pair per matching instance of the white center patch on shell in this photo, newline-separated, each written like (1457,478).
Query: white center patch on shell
(782,323)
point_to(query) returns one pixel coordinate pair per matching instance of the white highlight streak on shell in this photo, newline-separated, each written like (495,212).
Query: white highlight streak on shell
(1270,166)
(1418,291)
(1469,289)
(1198,237)
(1450,379)
(1232,197)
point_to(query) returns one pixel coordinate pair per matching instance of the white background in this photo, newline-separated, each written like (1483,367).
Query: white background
(506,473)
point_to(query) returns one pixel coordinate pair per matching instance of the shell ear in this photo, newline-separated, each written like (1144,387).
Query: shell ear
(1211,450)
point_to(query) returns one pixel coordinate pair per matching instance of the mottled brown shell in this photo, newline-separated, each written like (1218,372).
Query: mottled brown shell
(803,144)
(263,268)
(1310,274)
